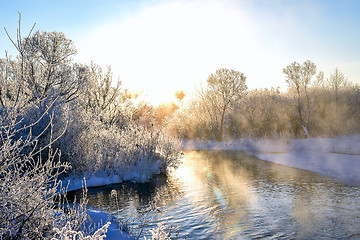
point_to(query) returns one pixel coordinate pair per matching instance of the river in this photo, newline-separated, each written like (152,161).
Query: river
(230,195)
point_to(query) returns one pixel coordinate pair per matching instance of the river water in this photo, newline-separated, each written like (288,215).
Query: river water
(230,195)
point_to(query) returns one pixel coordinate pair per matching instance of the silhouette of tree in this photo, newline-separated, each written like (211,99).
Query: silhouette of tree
(179,95)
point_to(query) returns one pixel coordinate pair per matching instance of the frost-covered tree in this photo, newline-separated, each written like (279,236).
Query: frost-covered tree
(43,67)
(262,113)
(48,67)
(222,90)
(40,76)
(337,81)
(30,191)
(298,78)
(102,98)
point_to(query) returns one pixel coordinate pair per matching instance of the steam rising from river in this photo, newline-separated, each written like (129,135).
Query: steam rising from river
(338,157)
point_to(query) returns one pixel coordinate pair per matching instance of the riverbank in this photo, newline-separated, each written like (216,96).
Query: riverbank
(337,158)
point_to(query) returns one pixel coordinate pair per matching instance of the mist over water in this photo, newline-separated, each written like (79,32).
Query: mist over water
(229,195)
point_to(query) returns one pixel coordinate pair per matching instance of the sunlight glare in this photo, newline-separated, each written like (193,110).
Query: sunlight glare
(174,46)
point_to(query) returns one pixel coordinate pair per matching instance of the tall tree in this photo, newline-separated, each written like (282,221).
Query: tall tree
(101,98)
(298,77)
(223,89)
(43,66)
(48,66)
(337,81)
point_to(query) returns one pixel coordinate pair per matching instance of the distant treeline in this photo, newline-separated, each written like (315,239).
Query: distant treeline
(313,106)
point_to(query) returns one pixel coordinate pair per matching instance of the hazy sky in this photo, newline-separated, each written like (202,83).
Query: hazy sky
(163,46)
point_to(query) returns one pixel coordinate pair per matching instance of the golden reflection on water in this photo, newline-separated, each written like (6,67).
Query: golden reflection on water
(240,191)
(228,194)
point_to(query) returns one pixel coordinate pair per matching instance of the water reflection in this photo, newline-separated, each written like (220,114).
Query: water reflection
(229,195)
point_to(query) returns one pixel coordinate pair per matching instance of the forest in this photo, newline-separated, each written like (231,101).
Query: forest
(59,118)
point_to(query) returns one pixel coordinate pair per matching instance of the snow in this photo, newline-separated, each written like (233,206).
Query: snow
(135,174)
(338,158)
(113,231)
(74,183)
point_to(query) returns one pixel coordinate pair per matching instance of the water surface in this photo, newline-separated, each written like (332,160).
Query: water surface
(230,195)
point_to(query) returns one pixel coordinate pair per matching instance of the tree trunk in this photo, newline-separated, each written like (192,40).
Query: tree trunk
(222,123)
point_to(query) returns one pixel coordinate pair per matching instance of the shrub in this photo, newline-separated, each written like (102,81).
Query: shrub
(31,205)
(133,152)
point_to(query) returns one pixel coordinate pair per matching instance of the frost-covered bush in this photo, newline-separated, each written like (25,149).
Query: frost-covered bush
(133,152)
(25,182)
(161,232)
(30,200)
(67,233)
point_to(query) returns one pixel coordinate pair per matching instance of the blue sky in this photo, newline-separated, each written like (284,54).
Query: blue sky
(162,46)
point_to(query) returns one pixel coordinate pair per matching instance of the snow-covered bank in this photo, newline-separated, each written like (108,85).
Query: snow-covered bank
(73,183)
(338,158)
(142,172)
(97,217)
(113,231)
